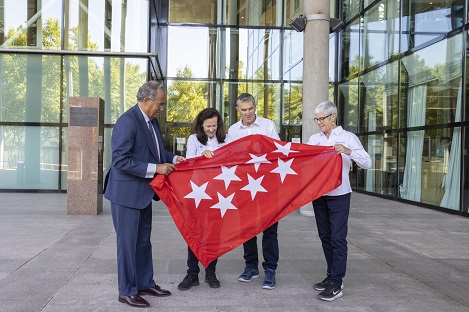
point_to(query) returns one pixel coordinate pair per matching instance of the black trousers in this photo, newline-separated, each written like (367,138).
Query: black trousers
(269,249)
(193,264)
(331,214)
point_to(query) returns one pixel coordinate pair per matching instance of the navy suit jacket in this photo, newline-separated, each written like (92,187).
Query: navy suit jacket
(132,150)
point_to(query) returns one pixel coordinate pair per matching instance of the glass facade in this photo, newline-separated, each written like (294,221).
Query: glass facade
(52,50)
(396,71)
(401,89)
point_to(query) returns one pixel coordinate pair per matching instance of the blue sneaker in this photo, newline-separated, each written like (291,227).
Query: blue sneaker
(248,274)
(269,280)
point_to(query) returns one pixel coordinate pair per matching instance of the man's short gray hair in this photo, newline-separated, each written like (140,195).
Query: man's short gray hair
(245,98)
(326,107)
(149,90)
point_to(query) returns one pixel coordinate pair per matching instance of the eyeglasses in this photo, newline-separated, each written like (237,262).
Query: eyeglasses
(160,105)
(321,119)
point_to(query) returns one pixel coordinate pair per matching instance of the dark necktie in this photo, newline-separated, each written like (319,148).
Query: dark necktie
(152,133)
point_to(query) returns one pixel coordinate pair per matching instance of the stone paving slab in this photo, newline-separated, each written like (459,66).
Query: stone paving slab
(401,258)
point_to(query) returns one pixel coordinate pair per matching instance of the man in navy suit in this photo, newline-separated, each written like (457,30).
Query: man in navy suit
(138,155)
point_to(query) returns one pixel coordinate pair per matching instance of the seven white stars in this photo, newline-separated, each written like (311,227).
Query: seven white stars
(224,203)
(198,193)
(284,168)
(258,160)
(227,175)
(284,149)
(254,186)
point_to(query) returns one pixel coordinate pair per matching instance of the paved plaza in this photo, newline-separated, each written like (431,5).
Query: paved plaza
(401,258)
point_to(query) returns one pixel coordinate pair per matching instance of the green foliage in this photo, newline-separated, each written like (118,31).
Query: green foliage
(186,98)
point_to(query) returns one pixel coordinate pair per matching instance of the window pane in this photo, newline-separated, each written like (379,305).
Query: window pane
(263,53)
(187,98)
(254,13)
(348,105)
(381,32)
(27,25)
(350,8)
(193,63)
(30,88)
(350,52)
(190,11)
(431,162)
(433,77)
(423,21)
(293,101)
(293,55)
(378,95)
(115,25)
(293,8)
(382,177)
(115,80)
(30,158)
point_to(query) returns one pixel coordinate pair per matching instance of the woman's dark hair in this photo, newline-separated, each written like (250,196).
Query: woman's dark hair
(205,114)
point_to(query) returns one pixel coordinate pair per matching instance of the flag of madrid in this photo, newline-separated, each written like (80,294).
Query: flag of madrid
(219,203)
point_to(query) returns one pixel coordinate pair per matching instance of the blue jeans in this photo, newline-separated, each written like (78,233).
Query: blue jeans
(269,249)
(331,214)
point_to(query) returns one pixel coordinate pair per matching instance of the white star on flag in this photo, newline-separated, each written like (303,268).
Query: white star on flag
(284,149)
(227,175)
(284,168)
(224,203)
(198,193)
(258,160)
(254,186)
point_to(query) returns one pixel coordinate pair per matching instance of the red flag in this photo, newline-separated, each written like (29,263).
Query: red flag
(219,203)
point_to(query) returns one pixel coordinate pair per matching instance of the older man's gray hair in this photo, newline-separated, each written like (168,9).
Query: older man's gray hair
(149,90)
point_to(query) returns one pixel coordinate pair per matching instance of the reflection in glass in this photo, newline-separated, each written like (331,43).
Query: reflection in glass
(293,55)
(348,105)
(381,32)
(350,61)
(382,177)
(424,21)
(190,11)
(292,104)
(29,158)
(439,68)
(254,13)
(379,97)
(350,8)
(30,88)
(107,25)
(115,80)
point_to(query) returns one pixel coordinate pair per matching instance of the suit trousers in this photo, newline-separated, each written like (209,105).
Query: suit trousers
(269,249)
(134,255)
(193,264)
(331,214)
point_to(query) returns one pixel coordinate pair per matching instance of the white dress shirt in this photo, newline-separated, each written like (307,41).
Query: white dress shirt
(260,126)
(195,148)
(358,155)
(151,168)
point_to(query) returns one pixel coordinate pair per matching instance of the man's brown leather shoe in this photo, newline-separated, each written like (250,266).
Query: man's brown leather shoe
(155,291)
(134,301)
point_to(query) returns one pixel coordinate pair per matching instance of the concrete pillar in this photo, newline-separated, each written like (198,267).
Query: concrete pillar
(315,68)
(85,157)
(315,62)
